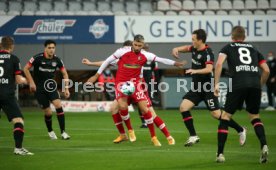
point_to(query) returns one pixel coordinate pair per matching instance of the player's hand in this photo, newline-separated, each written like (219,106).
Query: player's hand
(180,64)
(85,61)
(67,93)
(32,87)
(93,79)
(175,52)
(216,91)
(191,71)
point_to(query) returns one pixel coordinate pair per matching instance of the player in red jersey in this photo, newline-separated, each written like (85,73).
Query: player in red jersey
(118,120)
(131,60)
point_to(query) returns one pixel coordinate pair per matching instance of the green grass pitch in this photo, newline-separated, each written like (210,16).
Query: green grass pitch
(91,147)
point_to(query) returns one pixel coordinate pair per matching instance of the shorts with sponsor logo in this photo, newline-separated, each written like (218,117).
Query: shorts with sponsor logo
(250,96)
(44,98)
(210,100)
(10,108)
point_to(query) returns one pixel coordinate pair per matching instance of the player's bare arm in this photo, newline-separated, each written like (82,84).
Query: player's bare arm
(218,69)
(20,79)
(103,66)
(183,49)
(265,73)
(66,81)
(208,69)
(29,77)
(89,63)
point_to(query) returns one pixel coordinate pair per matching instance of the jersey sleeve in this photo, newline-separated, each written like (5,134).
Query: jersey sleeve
(32,61)
(190,48)
(119,52)
(209,58)
(150,56)
(111,59)
(16,66)
(261,59)
(60,64)
(224,50)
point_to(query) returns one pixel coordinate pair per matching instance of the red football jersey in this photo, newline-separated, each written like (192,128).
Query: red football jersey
(130,64)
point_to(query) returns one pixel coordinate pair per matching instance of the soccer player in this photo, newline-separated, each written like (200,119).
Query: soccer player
(118,120)
(45,65)
(244,62)
(201,71)
(10,74)
(131,60)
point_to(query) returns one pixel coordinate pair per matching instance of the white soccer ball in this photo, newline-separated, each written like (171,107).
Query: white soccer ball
(127,88)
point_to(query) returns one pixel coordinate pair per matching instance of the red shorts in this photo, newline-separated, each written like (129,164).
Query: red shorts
(138,95)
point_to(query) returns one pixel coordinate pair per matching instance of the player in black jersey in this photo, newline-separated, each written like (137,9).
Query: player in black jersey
(45,65)
(10,74)
(201,71)
(244,62)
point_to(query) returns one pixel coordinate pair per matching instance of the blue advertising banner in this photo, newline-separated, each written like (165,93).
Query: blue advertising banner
(62,29)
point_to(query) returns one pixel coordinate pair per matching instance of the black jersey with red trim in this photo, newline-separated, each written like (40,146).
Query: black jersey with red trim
(200,58)
(243,63)
(9,67)
(44,68)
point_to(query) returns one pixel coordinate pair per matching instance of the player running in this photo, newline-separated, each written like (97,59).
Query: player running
(201,71)
(45,65)
(131,60)
(244,62)
(10,74)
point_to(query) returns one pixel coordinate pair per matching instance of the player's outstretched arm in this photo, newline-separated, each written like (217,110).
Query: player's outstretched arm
(183,49)
(29,77)
(103,66)
(208,69)
(265,73)
(218,70)
(89,63)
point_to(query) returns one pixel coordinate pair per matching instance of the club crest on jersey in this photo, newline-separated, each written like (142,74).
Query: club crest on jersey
(199,56)
(139,57)
(54,64)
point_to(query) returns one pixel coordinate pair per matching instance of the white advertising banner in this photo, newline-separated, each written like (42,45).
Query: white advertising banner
(163,29)
(82,106)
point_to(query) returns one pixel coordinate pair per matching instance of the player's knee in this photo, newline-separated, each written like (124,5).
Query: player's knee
(48,111)
(17,120)
(144,110)
(225,116)
(114,109)
(254,116)
(216,114)
(183,108)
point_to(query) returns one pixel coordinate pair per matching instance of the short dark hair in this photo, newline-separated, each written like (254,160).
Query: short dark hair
(127,43)
(238,33)
(139,38)
(47,42)
(7,42)
(200,35)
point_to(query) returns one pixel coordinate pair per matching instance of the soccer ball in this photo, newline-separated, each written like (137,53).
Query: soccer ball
(127,88)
